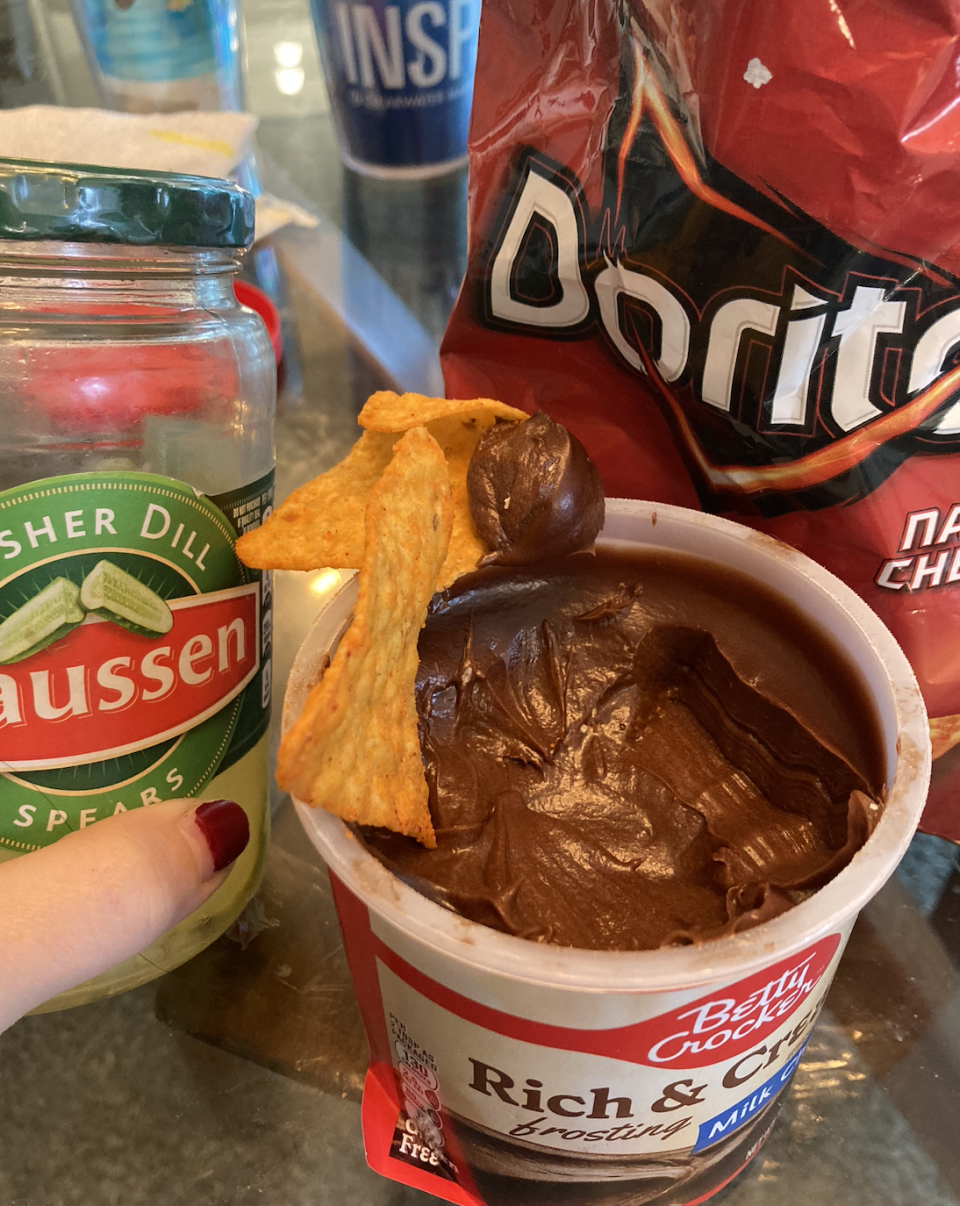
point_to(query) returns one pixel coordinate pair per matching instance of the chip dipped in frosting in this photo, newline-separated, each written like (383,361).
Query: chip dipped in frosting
(586,727)
(321,524)
(534,492)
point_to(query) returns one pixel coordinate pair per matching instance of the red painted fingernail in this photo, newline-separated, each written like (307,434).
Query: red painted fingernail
(226,829)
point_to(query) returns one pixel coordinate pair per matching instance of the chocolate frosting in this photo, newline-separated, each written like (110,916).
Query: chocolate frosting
(626,752)
(534,492)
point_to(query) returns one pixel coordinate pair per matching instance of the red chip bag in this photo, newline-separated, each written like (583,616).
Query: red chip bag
(720,241)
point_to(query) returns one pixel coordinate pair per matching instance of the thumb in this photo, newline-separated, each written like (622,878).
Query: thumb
(100,895)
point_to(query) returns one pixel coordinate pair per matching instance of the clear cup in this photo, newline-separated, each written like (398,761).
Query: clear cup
(507,1071)
(153,56)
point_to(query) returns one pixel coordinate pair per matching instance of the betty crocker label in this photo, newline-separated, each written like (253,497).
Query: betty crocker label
(132,646)
(725,1024)
(677,1083)
(718,1026)
(455,1083)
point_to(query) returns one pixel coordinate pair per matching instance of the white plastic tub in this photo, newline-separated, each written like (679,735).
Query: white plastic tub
(523,1072)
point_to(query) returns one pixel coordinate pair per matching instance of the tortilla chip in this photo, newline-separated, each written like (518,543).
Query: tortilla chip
(457,425)
(321,523)
(355,749)
(944,734)
(386,411)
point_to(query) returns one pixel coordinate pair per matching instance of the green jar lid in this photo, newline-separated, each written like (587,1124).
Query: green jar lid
(79,203)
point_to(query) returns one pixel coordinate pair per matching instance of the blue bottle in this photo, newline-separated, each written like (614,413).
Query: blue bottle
(400,77)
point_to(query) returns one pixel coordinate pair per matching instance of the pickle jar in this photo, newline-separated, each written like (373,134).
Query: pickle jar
(136,409)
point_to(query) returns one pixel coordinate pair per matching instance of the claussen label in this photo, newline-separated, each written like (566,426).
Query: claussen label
(133,647)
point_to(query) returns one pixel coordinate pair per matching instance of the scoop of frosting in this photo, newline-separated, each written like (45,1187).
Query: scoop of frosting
(534,492)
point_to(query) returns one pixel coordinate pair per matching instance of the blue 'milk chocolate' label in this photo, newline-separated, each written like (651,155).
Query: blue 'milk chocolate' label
(731,1119)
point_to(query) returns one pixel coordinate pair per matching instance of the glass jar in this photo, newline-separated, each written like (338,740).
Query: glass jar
(136,408)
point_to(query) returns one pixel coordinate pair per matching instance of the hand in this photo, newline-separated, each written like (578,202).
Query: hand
(100,895)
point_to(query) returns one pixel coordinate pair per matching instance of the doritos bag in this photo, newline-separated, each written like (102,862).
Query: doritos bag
(720,241)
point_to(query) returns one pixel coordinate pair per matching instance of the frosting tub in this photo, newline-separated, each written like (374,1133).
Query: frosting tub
(506,1071)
